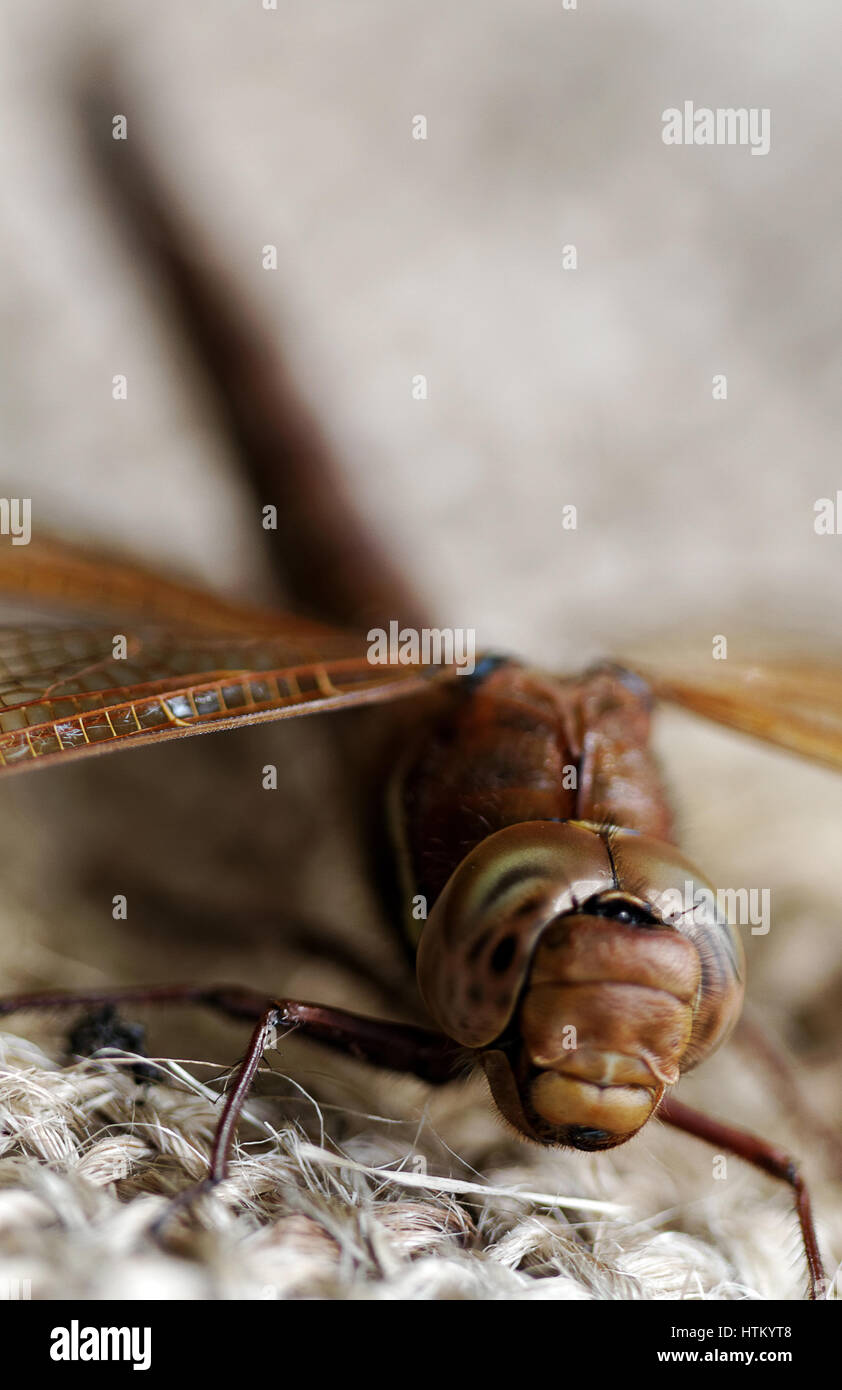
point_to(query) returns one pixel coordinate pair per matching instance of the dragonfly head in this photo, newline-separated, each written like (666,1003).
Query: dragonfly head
(567,957)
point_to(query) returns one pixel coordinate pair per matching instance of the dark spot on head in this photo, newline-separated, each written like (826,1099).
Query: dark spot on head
(474,994)
(503,955)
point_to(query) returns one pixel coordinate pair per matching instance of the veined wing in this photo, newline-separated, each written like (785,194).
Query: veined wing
(189,661)
(64,693)
(52,573)
(795,703)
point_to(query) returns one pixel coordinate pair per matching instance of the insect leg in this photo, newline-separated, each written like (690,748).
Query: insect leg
(398,1046)
(320,546)
(229,999)
(401,1047)
(764,1156)
(264,1033)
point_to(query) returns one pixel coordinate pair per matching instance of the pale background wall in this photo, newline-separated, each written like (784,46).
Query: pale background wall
(546,387)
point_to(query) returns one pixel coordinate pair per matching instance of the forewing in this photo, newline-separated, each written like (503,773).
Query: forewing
(52,574)
(64,693)
(794,703)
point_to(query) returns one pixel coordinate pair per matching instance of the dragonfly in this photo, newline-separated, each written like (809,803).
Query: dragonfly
(530,824)
(563,944)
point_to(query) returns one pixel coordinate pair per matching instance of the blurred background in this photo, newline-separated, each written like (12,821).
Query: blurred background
(546,387)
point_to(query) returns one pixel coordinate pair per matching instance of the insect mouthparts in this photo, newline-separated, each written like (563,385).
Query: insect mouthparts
(582,1137)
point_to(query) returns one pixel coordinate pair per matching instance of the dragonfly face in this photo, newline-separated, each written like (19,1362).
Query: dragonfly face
(554,951)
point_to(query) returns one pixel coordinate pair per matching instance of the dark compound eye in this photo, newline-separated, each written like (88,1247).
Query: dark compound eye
(503,955)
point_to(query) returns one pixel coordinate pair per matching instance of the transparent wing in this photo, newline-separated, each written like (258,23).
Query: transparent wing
(185,662)
(63,693)
(795,703)
(52,573)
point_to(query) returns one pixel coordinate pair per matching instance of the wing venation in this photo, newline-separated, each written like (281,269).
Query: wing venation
(793,703)
(64,693)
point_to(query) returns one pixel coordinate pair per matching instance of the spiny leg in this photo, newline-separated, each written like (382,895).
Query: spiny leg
(396,1046)
(264,1033)
(764,1156)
